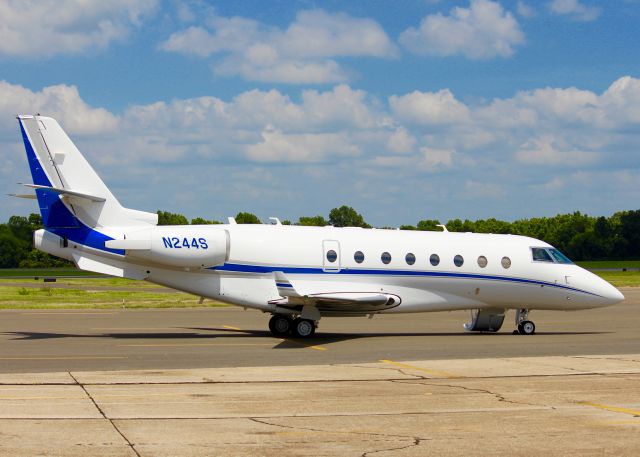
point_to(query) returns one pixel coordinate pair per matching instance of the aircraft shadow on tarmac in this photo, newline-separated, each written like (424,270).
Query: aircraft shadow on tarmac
(283,343)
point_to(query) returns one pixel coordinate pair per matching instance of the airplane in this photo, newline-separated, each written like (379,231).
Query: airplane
(298,274)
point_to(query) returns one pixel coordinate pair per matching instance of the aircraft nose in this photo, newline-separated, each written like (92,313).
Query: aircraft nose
(605,294)
(612,295)
(609,295)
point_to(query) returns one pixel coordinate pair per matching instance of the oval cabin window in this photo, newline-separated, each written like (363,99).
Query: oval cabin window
(482,261)
(332,256)
(386,258)
(434,259)
(506,262)
(358,257)
(410,258)
(458,260)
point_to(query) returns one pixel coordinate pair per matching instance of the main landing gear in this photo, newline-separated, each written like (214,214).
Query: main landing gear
(523,324)
(282,325)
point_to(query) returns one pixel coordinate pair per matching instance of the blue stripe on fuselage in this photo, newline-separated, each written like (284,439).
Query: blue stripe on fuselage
(243,268)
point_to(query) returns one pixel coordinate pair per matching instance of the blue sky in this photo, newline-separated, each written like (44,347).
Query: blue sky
(405,110)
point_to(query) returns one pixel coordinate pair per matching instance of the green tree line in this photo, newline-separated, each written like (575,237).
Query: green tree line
(578,235)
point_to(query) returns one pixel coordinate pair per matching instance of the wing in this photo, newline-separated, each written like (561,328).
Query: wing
(338,302)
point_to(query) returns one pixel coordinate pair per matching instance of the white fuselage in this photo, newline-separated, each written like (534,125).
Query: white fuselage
(292,271)
(256,252)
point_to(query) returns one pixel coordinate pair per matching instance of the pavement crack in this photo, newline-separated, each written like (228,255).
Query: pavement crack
(498,396)
(349,432)
(620,359)
(397,369)
(115,427)
(416,442)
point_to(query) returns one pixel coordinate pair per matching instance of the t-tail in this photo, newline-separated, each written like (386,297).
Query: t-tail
(69,191)
(76,206)
(84,222)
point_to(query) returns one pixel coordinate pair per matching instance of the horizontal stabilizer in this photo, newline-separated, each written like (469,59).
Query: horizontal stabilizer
(72,193)
(27,196)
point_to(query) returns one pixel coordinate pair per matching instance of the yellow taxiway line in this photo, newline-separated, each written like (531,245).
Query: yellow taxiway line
(615,409)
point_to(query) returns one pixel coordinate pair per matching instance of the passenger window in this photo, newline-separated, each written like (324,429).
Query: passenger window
(506,262)
(458,260)
(358,257)
(386,258)
(434,259)
(410,258)
(540,255)
(332,256)
(482,261)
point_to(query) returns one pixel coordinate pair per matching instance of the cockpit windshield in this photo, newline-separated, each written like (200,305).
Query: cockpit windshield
(541,255)
(558,256)
(551,255)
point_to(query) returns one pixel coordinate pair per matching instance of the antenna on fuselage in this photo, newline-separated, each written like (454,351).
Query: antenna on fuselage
(444,227)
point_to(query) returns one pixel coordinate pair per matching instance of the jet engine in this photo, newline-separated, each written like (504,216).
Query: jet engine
(485,320)
(177,246)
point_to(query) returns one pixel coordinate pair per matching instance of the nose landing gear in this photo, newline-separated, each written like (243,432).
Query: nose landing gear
(523,325)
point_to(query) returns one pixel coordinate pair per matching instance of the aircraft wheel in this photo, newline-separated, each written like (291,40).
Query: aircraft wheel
(303,328)
(526,328)
(280,325)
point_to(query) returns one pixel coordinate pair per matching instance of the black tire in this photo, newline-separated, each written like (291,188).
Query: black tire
(526,328)
(303,328)
(280,325)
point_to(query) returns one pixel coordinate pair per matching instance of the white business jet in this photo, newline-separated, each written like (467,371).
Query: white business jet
(298,274)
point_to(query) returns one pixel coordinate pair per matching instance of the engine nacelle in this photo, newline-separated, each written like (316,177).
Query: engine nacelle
(177,246)
(485,320)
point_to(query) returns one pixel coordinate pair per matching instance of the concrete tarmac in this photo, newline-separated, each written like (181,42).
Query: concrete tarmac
(87,340)
(209,382)
(562,405)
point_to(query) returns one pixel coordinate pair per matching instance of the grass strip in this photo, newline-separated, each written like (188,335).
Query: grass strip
(47,297)
(621,278)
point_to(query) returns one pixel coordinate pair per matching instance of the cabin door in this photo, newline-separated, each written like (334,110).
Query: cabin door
(331,255)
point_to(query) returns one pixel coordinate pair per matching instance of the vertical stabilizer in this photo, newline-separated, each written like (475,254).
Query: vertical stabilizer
(69,191)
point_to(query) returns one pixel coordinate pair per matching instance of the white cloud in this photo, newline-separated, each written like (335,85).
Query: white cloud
(621,102)
(482,31)
(62,102)
(436,159)
(548,150)
(290,71)
(320,34)
(525,10)
(43,28)
(309,148)
(429,108)
(305,52)
(574,9)
(401,141)
(414,150)
(341,106)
